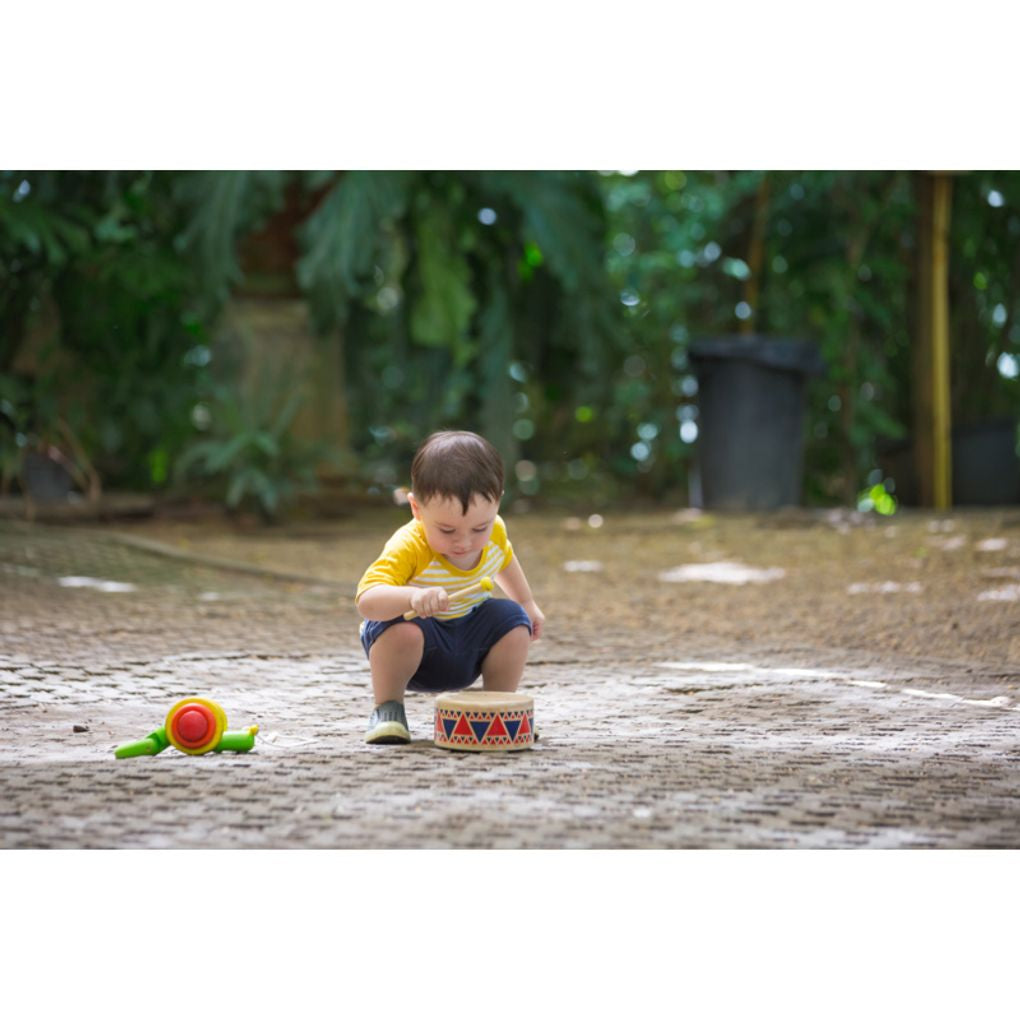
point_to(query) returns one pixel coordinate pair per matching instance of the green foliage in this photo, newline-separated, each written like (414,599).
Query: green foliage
(342,238)
(876,498)
(454,291)
(835,264)
(552,310)
(31,424)
(250,455)
(15,429)
(442,316)
(220,206)
(504,322)
(39,233)
(985,296)
(95,306)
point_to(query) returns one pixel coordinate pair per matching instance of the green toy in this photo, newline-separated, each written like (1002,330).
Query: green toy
(194,726)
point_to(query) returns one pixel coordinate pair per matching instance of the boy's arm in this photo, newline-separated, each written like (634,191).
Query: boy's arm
(386,601)
(515,584)
(383,592)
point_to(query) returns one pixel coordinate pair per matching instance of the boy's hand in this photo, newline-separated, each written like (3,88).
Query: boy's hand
(429,601)
(537,618)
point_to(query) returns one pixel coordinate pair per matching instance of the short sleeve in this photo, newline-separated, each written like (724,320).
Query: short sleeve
(397,563)
(501,540)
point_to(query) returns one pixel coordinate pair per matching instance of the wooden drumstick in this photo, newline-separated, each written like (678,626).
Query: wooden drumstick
(485,584)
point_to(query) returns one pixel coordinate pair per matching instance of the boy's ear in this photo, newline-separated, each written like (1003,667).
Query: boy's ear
(414,505)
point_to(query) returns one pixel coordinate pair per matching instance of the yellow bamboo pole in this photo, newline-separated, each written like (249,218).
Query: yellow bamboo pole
(932,419)
(942,194)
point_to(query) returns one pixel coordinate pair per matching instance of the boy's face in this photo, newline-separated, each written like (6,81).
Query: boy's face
(458,536)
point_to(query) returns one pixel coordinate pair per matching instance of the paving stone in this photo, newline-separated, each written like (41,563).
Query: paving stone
(735,746)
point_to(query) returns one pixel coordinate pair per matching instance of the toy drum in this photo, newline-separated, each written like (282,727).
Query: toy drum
(484,721)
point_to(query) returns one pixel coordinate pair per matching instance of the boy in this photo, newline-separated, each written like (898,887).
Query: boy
(455,539)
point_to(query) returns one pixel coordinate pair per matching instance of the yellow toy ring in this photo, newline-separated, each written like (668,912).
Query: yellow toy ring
(195,725)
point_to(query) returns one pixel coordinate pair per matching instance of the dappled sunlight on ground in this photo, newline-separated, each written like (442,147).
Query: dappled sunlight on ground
(722,573)
(95,583)
(885,588)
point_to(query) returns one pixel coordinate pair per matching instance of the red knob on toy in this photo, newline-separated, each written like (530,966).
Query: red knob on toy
(193,726)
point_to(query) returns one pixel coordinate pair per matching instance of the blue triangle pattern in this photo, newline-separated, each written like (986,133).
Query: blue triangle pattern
(448,725)
(479,726)
(512,726)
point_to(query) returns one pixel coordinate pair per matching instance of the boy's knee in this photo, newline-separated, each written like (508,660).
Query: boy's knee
(403,637)
(519,637)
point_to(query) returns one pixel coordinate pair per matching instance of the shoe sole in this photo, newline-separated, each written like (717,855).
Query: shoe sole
(388,733)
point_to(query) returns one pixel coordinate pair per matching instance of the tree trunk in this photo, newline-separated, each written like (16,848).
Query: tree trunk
(756,253)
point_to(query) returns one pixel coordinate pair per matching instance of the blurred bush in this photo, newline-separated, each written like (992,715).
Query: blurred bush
(551,310)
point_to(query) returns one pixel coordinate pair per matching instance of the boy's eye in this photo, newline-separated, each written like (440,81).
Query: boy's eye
(446,531)
(481,529)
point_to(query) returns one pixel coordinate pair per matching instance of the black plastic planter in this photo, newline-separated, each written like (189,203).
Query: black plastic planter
(986,465)
(45,479)
(751,419)
(986,470)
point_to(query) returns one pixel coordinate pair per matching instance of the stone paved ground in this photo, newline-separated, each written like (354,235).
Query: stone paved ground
(693,738)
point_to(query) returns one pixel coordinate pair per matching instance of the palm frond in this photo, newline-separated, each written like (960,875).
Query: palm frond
(223,204)
(562,219)
(441,316)
(216,198)
(342,236)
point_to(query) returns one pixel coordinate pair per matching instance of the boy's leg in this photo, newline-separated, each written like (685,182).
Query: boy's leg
(503,667)
(394,659)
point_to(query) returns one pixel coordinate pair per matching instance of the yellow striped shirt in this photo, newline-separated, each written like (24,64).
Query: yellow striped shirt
(408,559)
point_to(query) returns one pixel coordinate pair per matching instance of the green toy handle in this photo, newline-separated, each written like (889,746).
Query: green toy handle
(152,744)
(239,740)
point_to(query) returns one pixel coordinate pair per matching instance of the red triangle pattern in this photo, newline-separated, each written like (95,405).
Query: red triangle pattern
(497,733)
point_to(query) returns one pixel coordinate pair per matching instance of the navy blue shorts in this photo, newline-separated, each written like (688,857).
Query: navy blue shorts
(454,649)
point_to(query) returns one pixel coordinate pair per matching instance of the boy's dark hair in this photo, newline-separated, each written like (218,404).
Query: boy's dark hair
(456,465)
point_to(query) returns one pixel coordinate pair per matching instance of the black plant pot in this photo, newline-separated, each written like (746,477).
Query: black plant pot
(751,395)
(45,479)
(986,467)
